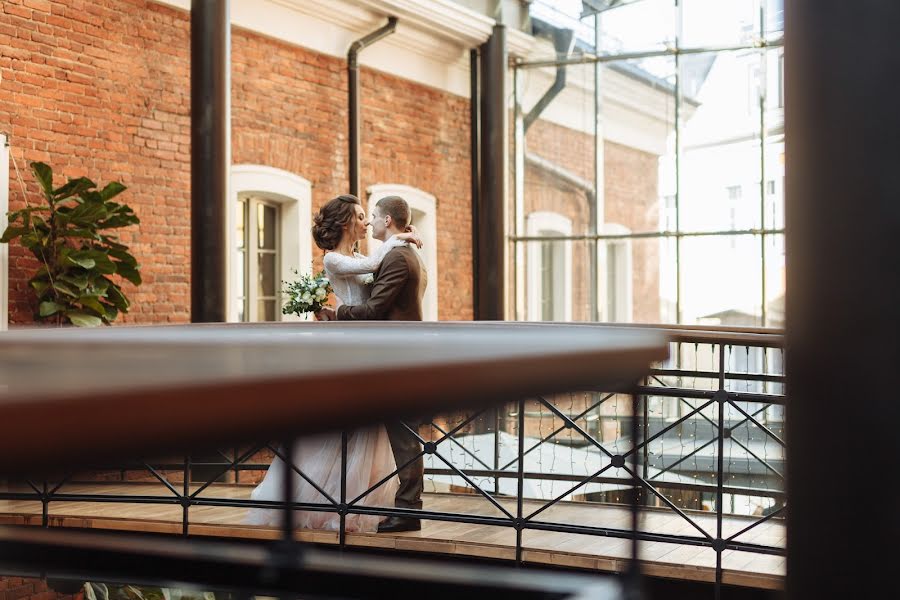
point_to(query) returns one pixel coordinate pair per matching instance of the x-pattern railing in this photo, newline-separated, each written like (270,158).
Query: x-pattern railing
(697,401)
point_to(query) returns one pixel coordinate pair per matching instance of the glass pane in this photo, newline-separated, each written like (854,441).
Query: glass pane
(641,26)
(721,280)
(775,280)
(242,315)
(551,293)
(239,272)
(266,227)
(711,23)
(266,310)
(560,146)
(774,18)
(720,160)
(267,283)
(241,218)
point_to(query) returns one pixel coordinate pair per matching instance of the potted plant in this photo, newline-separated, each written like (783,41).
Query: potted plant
(69,234)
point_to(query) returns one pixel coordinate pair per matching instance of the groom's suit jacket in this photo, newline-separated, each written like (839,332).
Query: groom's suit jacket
(396,293)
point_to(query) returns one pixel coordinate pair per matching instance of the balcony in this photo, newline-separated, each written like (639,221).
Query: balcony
(544,480)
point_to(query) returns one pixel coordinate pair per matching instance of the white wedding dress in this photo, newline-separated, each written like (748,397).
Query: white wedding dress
(369,455)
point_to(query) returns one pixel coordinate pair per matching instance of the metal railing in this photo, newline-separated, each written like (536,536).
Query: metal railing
(705,427)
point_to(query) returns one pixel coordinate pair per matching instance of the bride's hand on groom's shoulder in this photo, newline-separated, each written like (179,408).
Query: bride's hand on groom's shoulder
(326,314)
(411,235)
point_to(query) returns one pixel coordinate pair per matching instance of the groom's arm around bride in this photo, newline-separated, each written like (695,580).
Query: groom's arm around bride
(396,296)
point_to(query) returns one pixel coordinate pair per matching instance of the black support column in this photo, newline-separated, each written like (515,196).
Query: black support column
(210,52)
(843,304)
(490,258)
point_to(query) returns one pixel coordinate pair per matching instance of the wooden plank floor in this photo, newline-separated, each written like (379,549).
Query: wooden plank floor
(541,547)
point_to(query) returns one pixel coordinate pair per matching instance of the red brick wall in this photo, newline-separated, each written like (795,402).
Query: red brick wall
(101,89)
(26,588)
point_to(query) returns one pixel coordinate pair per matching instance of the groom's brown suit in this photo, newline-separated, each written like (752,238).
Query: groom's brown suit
(397,296)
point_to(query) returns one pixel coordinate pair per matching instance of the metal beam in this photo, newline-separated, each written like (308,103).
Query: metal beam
(210,158)
(491,255)
(843,258)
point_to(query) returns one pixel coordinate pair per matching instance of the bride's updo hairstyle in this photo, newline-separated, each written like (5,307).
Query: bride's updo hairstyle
(329,222)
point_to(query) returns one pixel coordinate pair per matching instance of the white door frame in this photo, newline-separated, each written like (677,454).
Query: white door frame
(294,196)
(4,248)
(425,204)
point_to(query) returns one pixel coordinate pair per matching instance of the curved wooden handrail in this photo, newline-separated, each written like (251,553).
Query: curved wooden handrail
(72,396)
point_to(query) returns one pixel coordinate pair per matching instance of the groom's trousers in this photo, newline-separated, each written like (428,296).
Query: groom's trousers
(407,449)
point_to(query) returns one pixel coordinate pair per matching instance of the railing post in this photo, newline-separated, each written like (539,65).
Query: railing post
(497,450)
(45,507)
(634,567)
(520,482)
(342,536)
(722,398)
(646,453)
(185,495)
(287,524)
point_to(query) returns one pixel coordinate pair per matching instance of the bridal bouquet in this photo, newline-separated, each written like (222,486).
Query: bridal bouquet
(307,294)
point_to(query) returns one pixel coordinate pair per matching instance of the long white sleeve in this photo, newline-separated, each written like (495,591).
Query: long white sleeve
(339,264)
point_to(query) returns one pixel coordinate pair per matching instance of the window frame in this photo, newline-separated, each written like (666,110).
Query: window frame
(426,204)
(293,196)
(536,224)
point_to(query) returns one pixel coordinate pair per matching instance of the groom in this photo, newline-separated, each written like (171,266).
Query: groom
(396,296)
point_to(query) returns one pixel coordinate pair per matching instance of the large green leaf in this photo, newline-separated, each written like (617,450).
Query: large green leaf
(73,188)
(82,319)
(44,175)
(129,272)
(79,280)
(88,214)
(102,263)
(64,288)
(91,197)
(118,299)
(48,308)
(40,286)
(82,233)
(123,255)
(119,220)
(111,312)
(110,241)
(93,304)
(12,233)
(84,262)
(112,189)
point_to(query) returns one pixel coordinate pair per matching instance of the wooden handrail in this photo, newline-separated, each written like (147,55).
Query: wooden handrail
(71,396)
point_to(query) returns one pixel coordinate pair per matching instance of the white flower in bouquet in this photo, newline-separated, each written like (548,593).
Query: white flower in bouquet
(369,280)
(308,293)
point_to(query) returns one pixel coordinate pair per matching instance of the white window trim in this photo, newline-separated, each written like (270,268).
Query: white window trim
(4,248)
(624,276)
(294,195)
(426,204)
(537,222)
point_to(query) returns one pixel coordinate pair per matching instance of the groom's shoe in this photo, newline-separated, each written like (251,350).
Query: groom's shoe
(395,524)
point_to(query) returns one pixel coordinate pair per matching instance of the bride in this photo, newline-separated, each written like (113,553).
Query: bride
(339,225)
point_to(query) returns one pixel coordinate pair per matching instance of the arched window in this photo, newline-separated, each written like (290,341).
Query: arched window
(269,225)
(424,216)
(615,258)
(549,286)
